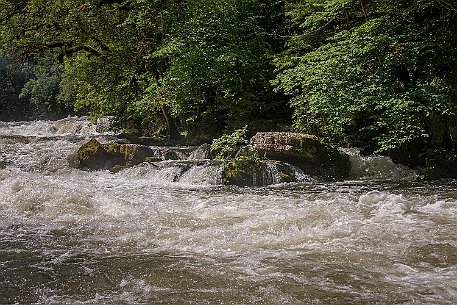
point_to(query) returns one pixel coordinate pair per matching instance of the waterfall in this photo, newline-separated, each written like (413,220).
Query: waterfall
(271,174)
(206,173)
(196,172)
(200,153)
(377,167)
(70,126)
(24,143)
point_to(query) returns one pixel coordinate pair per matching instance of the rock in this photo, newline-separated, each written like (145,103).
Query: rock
(304,151)
(200,153)
(94,155)
(246,171)
(175,152)
(171,155)
(13,139)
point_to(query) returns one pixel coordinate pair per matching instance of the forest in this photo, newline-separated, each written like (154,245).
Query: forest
(380,75)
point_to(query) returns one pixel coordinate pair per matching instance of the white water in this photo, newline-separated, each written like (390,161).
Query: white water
(137,237)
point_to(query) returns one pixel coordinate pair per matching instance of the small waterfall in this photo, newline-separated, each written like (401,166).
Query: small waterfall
(206,173)
(200,153)
(70,126)
(266,172)
(300,176)
(377,167)
(170,171)
(197,172)
(271,174)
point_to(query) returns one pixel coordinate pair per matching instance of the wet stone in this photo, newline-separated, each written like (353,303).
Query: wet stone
(96,156)
(305,151)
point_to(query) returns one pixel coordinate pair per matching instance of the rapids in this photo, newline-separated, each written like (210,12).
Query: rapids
(142,236)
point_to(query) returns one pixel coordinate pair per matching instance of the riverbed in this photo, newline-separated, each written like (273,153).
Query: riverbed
(69,236)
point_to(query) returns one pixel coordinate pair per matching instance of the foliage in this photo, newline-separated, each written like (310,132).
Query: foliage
(158,66)
(220,57)
(439,163)
(373,73)
(47,33)
(101,46)
(13,76)
(371,70)
(42,89)
(227,146)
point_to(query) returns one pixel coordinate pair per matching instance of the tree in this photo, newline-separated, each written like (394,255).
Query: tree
(220,55)
(54,33)
(103,47)
(159,66)
(42,89)
(379,72)
(12,78)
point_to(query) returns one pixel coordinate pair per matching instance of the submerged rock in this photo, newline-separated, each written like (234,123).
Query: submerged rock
(171,155)
(201,153)
(304,151)
(176,153)
(94,155)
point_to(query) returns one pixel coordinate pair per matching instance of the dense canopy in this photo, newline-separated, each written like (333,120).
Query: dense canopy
(377,74)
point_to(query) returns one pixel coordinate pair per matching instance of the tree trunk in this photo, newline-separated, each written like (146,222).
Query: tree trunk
(171,124)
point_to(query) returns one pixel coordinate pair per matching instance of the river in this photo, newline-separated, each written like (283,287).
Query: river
(69,236)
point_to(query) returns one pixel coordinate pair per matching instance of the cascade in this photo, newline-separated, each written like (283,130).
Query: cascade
(271,174)
(28,139)
(204,173)
(70,126)
(200,153)
(196,172)
(377,167)
(169,232)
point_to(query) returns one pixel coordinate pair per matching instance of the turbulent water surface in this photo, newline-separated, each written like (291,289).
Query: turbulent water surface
(139,236)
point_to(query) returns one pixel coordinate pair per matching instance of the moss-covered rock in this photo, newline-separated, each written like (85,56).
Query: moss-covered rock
(305,151)
(94,155)
(247,171)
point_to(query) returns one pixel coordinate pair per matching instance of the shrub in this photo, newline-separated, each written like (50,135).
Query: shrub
(227,146)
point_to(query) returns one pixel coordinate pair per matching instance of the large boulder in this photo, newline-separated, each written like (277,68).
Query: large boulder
(94,155)
(305,151)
